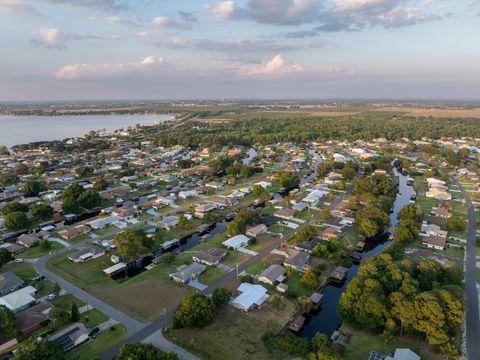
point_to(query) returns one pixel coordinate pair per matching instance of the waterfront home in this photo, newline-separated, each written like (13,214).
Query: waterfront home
(169,222)
(202,209)
(400,354)
(101,223)
(257,230)
(251,296)
(309,245)
(298,261)
(115,269)
(236,242)
(274,273)
(186,273)
(20,299)
(435,242)
(9,282)
(86,254)
(209,257)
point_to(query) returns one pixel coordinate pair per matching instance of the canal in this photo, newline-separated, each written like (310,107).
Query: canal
(327,320)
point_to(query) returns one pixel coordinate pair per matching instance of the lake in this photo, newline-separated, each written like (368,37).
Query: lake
(16,130)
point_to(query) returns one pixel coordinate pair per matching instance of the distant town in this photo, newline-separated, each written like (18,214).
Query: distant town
(244,230)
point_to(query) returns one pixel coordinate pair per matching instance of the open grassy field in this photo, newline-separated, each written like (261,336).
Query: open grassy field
(362,342)
(96,347)
(426,203)
(159,290)
(93,318)
(210,275)
(235,335)
(39,251)
(432,112)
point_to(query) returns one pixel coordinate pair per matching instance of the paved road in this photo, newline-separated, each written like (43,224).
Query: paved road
(472,318)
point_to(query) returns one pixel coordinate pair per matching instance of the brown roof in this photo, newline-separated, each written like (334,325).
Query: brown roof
(33,316)
(435,240)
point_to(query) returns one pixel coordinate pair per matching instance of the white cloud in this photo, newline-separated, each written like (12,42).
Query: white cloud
(89,71)
(275,66)
(12,7)
(185,21)
(143,34)
(223,10)
(55,38)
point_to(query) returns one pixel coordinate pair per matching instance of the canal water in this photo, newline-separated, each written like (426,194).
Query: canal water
(327,320)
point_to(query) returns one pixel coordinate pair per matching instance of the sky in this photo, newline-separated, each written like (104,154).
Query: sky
(195,49)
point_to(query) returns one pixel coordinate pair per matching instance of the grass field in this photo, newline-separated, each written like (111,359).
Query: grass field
(93,318)
(210,275)
(235,335)
(96,347)
(38,251)
(148,293)
(426,204)
(362,342)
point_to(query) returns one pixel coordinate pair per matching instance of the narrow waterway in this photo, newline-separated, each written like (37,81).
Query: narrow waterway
(327,320)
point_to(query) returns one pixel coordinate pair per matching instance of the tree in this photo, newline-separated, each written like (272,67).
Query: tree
(455,223)
(89,199)
(341,185)
(100,184)
(17,221)
(84,172)
(8,179)
(5,256)
(261,193)
(410,212)
(56,289)
(138,351)
(288,180)
(32,349)
(236,227)
(182,221)
(251,217)
(403,309)
(33,188)
(221,297)
(130,242)
(372,221)
(196,310)
(348,172)
(8,329)
(168,258)
(58,317)
(310,279)
(430,318)
(74,313)
(305,233)
(21,169)
(70,205)
(42,211)
(14,207)
(325,215)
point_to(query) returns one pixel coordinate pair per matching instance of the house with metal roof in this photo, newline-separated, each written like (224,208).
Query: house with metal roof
(9,282)
(251,296)
(236,242)
(19,300)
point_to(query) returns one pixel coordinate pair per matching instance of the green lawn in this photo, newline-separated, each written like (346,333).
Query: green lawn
(350,236)
(93,318)
(296,287)
(23,270)
(362,342)
(277,228)
(426,204)
(96,347)
(39,251)
(65,302)
(210,275)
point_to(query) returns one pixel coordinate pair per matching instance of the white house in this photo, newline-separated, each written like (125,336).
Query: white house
(236,242)
(19,300)
(251,296)
(264,184)
(187,194)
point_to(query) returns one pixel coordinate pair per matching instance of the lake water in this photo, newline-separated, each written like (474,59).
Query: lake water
(327,320)
(25,129)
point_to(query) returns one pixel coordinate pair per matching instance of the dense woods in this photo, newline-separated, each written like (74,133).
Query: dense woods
(265,130)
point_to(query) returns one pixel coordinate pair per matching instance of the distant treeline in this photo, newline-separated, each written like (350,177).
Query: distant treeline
(264,130)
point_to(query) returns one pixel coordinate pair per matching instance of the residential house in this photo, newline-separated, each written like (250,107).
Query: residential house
(400,354)
(330,233)
(434,242)
(251,296)
(71,336)
(209,257)
(28,240)
(285,213)
(202,209)
(116,269)
(274,273)
(298,261)
(13,249)
(9,282)
(186,194)
(236,242)
(75,231)
(86,254)
(33,318)
(308,246)
(124,213)
(169,222)
(186,273)
(20,299)
(102,222)
(256,230)
(264,184)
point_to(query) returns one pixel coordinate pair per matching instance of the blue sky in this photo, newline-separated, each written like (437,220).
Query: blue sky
(185,49)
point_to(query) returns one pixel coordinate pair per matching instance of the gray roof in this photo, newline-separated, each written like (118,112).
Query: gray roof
(94,250)
(300,260)
(8,280)
(273,272)
(186,273)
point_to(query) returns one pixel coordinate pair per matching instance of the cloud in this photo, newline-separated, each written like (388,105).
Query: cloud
(328,15)
(54,38)
(253,45)
(107,5)
(95,71)
(143,34)
(132,20)
(18,7)
(275,67)
(184,22)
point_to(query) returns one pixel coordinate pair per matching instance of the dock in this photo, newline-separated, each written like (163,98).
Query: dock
(360,246)
(338,275)
(316,300)
(297,324)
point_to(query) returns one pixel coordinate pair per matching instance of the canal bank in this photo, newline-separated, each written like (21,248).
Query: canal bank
(327,319)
